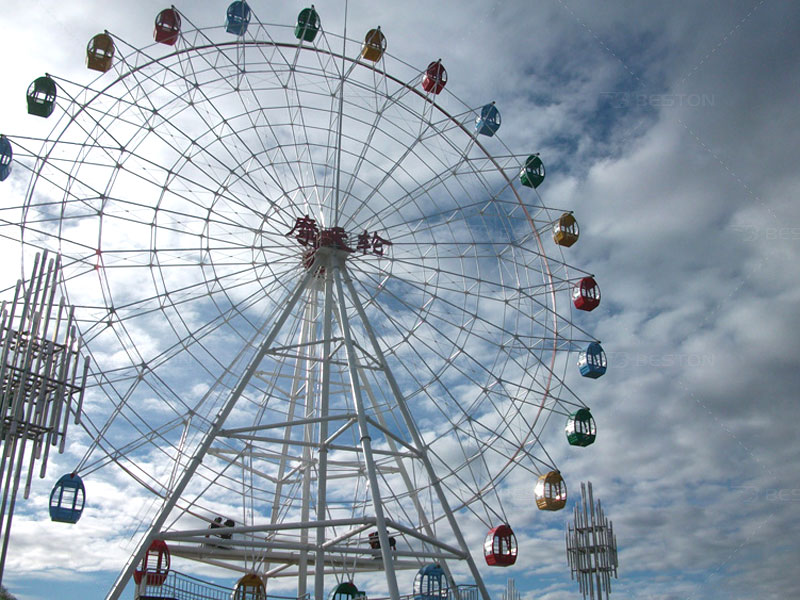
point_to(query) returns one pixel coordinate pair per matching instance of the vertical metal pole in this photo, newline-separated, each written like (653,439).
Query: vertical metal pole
(322,467)
(366,441)
(287,433)
(5,521)
(335,220)
(401,467)
(587,544)
(308,336)
(595,547)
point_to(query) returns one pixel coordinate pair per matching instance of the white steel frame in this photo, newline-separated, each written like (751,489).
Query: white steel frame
(465,296)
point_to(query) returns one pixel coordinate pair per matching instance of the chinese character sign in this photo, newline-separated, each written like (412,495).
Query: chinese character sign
(309,234)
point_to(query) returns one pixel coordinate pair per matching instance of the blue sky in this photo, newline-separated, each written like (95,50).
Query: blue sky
(671,131)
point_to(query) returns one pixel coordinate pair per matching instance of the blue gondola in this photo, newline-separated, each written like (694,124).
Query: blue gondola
(6,156)
(238,18)
(67,499)
(42,97)
(592,361)
(430,583)
(307,24)
(489,121)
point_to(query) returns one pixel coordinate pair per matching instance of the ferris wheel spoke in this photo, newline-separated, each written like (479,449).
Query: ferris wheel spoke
(466,374)
(449,307)
(291,73)
(302,138)
(366,148)
(140,429)
(219,218)
(409,195)
(153,306)
(224,123)
(420,351)
(474,282)
(270,127)
(366,141)
(425,190)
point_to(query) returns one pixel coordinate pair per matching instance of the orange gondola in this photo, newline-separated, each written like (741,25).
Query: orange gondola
(100,53)
(250,587)
(566,231)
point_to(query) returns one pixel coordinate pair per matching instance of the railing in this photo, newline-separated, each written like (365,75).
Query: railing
(465,592)
(179,586)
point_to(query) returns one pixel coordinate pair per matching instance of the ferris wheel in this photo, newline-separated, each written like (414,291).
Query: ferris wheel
(327,312)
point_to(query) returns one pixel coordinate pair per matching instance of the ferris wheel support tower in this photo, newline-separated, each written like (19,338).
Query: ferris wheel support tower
(328,271)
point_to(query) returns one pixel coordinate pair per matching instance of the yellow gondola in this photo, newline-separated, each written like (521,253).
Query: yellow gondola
(374,45)
(551,491)
(566,231)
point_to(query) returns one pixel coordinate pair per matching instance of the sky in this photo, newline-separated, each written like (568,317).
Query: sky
(671,131)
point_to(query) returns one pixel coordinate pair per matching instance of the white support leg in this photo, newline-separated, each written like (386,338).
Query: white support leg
(197,459)
(366,441)
(322,467)
(411,425)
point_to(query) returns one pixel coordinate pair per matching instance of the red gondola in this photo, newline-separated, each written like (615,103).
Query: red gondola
(168,27)
(586,294)
(500,547)
(155,564)
(435,77)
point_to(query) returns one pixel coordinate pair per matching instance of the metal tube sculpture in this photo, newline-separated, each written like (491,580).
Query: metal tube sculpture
(511,593)
(591,547)
(41,383)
